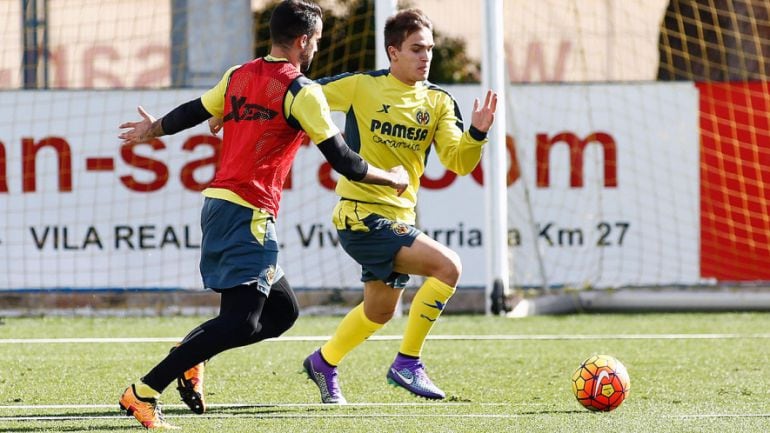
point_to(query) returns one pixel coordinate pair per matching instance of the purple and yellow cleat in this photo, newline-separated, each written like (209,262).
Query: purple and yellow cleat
(325,377)
(409,373)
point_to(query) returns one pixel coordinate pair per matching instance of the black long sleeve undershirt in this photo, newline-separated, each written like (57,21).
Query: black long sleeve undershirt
(342,159)
(184,116)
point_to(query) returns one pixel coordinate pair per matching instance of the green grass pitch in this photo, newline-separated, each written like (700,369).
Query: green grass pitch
(689,373)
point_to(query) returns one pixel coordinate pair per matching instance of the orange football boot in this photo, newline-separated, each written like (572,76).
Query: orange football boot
(145,410)
(190,387)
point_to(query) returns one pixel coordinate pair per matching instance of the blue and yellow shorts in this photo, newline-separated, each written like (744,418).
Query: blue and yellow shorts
(239,246)
(373,241)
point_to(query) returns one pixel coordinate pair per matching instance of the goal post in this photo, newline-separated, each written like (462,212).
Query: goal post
(640,153)
(382,10)
(495,160)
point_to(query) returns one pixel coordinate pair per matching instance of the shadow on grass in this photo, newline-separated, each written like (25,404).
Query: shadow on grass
(362,410)
(104,420)
(110,420)
(46,426)
(265,409)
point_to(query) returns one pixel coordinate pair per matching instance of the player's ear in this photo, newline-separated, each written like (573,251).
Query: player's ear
(392,51)
(303,40)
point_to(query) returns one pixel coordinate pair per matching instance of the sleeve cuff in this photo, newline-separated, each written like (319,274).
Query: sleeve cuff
(476,134)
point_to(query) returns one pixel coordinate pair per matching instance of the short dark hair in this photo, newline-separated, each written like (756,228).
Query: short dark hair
(401,25)
(292,19)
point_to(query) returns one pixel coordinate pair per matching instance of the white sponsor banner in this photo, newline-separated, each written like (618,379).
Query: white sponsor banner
(83,212)
(87,213)
(631,218)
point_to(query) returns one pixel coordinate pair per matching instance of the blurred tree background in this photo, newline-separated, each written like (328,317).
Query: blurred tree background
(347,45)
(715,40)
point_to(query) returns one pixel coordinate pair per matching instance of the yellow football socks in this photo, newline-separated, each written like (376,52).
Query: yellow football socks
(354,329)
(144,391)
(427,305)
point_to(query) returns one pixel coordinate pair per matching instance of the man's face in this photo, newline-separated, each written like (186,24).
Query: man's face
(306,57)
(411,63)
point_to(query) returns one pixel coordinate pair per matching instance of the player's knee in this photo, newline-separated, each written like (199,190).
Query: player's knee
(450,268)
(283,319)
(282,325)
(288,312)
(457,264)
(381,317)
(282,309)
(379,312)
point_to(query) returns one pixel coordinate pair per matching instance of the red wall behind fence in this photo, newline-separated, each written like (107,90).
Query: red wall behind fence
(735,181)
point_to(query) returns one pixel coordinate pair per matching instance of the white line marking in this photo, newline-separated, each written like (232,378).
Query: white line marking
(258,405)
(720,415)
(341,415)
(87,340)
(535,337)
(263,416)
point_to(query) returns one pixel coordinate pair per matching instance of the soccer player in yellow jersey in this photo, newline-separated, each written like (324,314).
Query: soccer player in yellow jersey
(268,107)
(395,117)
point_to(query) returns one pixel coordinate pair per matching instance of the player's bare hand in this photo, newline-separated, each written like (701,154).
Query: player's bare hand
(138,132)
(483,116)
(400,178)
(215,125)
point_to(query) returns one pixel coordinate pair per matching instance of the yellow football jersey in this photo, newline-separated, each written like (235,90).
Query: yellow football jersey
(389,123)
(307,106)
(303,104)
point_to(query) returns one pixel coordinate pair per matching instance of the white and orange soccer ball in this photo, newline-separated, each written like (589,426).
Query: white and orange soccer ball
(601,383)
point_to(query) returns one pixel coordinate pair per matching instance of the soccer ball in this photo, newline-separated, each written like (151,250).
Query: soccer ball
(601,383)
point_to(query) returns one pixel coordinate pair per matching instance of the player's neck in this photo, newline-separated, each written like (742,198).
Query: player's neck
(280,52)
(402,77)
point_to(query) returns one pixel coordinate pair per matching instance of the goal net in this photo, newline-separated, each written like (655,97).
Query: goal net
(636,141)
(639,132)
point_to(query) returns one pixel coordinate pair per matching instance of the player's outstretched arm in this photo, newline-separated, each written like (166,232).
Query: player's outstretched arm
(350,164)
(311,110)
(397,177)
(182,117)
(142,131)
(483,116)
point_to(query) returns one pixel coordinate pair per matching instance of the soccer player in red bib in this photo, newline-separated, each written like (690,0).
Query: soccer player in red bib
(268,108)
(396,117)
